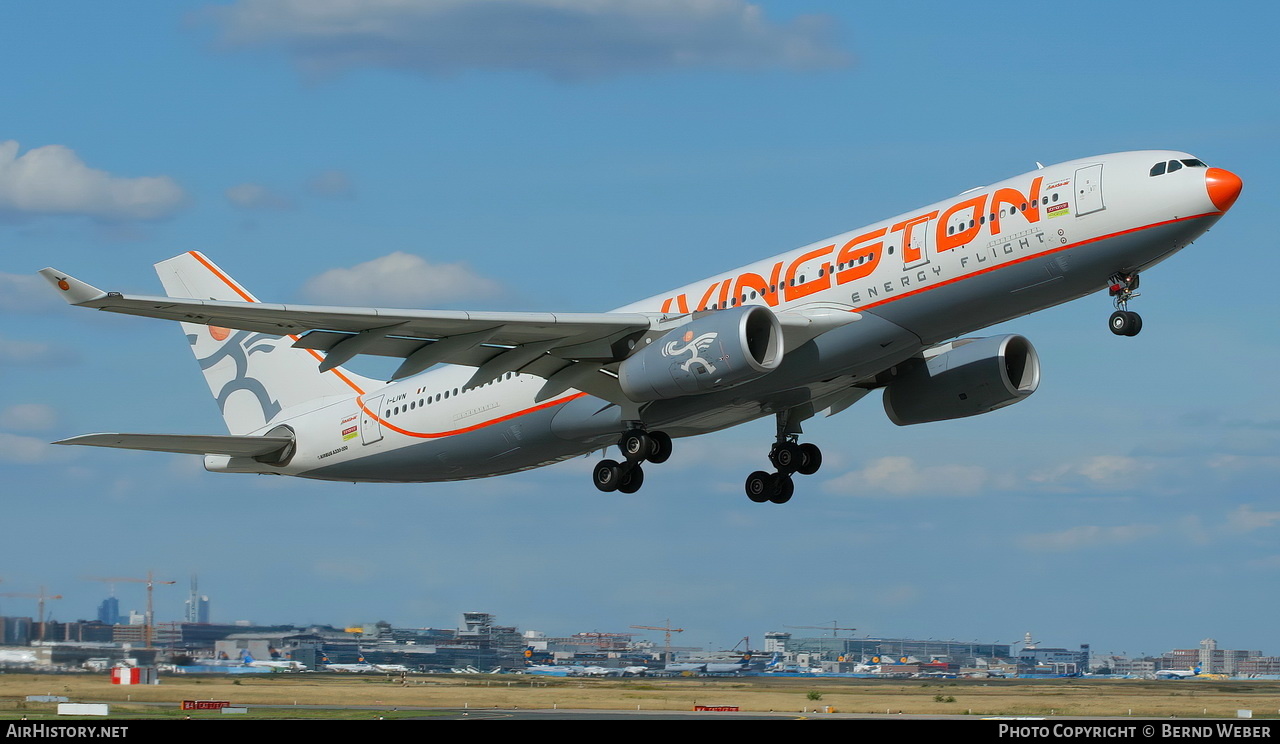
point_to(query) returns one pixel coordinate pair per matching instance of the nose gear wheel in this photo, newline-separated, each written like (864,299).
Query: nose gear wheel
(1123,288)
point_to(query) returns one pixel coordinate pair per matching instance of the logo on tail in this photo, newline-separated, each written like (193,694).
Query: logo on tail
(238,347)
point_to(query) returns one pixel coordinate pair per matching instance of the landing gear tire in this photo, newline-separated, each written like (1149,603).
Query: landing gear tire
(1125,323)
(760,486)
(783,489)
(810,459)
(636,446)
(607,475)
(660,450)
(631,480)
(786,457)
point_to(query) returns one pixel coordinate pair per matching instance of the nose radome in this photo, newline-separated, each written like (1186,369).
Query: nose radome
(1224,186)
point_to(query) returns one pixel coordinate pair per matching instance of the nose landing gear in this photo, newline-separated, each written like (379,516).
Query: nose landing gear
(1123,287)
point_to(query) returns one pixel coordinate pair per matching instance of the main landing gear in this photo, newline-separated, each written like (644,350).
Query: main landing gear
(637,445)
(1123,287)
(789,457)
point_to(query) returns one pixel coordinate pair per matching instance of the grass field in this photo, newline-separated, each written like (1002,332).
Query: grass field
(1060,697)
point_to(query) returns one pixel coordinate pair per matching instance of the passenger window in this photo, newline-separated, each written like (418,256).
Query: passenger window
(1157,169)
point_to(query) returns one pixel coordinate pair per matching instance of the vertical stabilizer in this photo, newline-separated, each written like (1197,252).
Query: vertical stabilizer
(253,376)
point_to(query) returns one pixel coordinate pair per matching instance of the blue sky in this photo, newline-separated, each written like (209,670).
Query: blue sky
(539,154)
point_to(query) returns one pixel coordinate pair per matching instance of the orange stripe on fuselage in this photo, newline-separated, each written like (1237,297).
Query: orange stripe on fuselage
(474,427)
(1059,249)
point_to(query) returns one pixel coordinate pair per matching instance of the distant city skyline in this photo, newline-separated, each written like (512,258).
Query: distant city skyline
(586,161)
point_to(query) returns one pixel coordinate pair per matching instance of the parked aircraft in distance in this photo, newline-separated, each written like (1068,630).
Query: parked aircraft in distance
(282,665)
(811,330)
(1177,673)
(721,667)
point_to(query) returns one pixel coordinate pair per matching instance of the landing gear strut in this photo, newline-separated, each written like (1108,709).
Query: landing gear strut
(637,445)
(789,457)
(1123,287)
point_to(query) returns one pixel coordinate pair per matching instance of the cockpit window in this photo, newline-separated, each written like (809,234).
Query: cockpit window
(1159,169)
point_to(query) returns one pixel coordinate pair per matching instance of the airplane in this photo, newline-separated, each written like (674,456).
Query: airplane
(284,666)
(811,330)
(716,667)
(363,666)
(1177,673)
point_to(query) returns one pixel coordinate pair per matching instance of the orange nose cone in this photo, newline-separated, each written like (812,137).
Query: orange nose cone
(1224,186)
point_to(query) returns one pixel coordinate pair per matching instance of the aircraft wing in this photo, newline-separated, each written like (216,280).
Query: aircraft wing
(536,343)
(569,350)
(187,444)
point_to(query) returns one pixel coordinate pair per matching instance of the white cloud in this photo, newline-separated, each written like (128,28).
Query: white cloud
(333,184)
(902,476)
(30,451)
(26,293)
(53,180)
(1088,536)
(257,196)
(13,351)
(1101,472)
(1231,465)
(1245,519)
(400,280)
(567,39)
(28,417)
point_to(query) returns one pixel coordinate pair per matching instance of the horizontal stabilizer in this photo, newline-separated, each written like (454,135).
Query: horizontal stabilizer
(188,444)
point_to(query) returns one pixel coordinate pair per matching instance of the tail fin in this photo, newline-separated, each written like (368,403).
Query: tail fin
(253,376)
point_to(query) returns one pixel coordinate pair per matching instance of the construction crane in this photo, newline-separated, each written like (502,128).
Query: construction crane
(667,629)
(833,628)
(150,581)
(41,597)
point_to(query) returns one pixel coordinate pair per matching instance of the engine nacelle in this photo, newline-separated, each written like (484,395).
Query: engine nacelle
(975,376)
(716,351)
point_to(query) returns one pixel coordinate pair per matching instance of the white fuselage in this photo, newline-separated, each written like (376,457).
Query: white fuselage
(917,279)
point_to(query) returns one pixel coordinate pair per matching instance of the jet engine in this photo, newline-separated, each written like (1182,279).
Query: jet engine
(718,350)
(974,376)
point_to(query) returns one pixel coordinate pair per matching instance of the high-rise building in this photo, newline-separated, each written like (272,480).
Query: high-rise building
(197,605)
(109,611)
